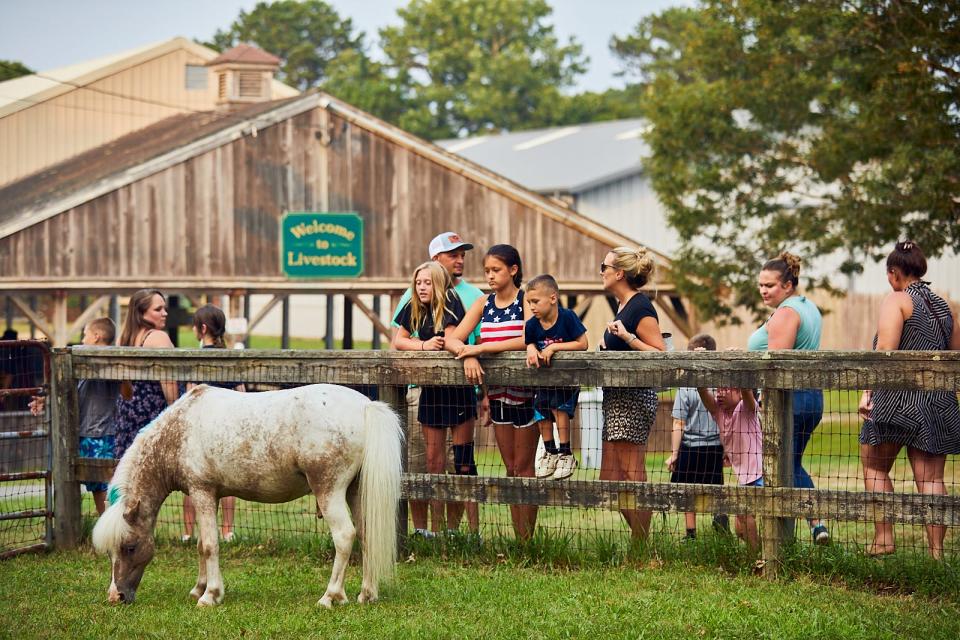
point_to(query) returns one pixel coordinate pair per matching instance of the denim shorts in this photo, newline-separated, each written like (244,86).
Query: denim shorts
(101,448)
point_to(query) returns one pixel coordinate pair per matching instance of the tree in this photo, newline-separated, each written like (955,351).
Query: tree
(307,36)
(470,66)
(820,127)
(10,69)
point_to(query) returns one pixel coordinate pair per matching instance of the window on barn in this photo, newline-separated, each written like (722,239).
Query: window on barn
(221,85)
(195,77)
(251,84)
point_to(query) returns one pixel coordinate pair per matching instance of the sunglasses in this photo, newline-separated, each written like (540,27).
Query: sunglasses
(604,266)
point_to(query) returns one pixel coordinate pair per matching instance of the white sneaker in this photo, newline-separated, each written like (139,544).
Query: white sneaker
(547,464)
(565,466)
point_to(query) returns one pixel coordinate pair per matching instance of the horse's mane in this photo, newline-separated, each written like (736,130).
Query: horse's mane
(111,527)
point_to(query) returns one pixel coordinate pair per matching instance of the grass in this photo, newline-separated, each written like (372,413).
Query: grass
(271,592)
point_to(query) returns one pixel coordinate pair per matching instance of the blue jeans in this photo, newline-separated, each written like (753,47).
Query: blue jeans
(807,413)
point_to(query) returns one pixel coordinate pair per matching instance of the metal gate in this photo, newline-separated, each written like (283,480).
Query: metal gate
(26,499)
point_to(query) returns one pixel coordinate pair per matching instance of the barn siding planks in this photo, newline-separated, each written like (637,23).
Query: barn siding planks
(217,215)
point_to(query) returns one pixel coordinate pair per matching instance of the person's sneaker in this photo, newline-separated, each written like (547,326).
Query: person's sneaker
(426,534)
(185,538)
(820,534)
(566,463)
(547,464)
(229,537)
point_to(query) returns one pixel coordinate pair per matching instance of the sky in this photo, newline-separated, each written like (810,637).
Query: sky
(46,34)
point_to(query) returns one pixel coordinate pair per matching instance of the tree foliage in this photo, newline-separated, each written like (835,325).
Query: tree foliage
(822,127)
(307,36)
(470,66)
(10,69)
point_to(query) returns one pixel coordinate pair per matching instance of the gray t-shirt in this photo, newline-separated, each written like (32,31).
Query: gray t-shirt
(98,407)
(699,427)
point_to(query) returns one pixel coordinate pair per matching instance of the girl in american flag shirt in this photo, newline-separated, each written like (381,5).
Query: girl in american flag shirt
(502,316)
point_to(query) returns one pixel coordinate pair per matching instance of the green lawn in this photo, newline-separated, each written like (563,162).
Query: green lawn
(63,595)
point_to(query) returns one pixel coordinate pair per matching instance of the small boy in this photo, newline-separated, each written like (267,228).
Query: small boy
(553,329)
(697,455)
(735,411)
(97,400)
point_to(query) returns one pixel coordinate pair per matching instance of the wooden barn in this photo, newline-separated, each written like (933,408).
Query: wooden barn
(194,204)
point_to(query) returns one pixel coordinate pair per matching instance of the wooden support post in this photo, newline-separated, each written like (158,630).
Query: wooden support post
(87,313)
(347,323)
(65,441)
(36,320)
(60,327)
(328,337)
(396,397)
(373,315)
(114,313)
(285,323)
(375,342)
(777,472)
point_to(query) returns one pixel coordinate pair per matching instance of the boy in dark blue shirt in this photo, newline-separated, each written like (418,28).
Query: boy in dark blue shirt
(553,329)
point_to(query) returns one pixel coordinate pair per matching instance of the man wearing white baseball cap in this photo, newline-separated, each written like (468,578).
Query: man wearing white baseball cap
(449,249)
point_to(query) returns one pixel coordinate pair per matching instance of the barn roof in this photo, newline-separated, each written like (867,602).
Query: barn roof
(80,179)
(570,159)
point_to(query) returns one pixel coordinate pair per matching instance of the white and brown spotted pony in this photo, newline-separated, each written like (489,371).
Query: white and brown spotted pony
(274,446)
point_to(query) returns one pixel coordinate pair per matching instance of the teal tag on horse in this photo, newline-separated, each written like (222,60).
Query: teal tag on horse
(113,494)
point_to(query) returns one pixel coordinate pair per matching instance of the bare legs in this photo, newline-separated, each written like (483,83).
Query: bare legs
(928,471)
(227,505)
(518,447)
(627,461)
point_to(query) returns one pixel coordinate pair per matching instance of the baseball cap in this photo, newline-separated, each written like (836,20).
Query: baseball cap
(447,241)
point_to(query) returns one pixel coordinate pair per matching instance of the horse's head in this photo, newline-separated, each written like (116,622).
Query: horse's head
(124,532)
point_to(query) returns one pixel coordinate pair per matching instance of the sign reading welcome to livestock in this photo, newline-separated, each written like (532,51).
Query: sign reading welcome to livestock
(321,245)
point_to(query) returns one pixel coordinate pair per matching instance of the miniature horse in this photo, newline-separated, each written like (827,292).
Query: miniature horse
(273,446)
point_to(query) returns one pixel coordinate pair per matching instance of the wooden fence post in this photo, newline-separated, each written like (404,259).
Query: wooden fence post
(777,472)
(396,397)
(64,442)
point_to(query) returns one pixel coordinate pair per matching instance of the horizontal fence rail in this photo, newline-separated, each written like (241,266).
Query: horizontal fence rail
(923,370)
(775,373)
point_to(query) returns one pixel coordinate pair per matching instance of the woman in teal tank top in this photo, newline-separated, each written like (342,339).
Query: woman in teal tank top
(795,324)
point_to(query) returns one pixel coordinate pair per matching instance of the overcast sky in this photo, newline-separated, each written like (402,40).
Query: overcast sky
(46,34)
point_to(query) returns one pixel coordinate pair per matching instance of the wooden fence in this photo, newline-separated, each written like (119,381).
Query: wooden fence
(776,373)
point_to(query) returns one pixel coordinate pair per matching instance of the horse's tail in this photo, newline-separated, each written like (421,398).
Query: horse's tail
(380,489)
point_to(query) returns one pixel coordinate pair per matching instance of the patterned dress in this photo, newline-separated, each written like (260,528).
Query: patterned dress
(146,403)
(925,420)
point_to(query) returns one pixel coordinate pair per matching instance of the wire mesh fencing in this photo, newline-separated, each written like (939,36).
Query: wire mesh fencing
(25,507)
(682,446)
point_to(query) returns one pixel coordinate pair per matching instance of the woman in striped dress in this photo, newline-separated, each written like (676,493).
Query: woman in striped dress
(502,316)
(926,422)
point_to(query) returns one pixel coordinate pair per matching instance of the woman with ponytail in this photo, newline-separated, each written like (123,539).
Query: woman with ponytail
(629,413)
(926,422)
(796,323)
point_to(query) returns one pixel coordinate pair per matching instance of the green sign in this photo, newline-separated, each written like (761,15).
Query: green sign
(321,245)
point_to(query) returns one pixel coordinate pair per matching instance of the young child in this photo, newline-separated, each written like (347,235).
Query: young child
(97,400)
(553,329)
(735,411)
(209,327)
(697,454)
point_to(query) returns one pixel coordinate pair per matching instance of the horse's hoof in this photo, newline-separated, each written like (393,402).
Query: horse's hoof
(207,601)
(325,602)
(196,593)
(365,597)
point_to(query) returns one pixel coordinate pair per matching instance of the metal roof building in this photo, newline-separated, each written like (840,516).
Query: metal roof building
(595,168)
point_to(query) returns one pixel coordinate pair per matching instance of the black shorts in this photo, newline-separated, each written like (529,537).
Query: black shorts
(446,406)
(699,465)
(548,399)
(519,415)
